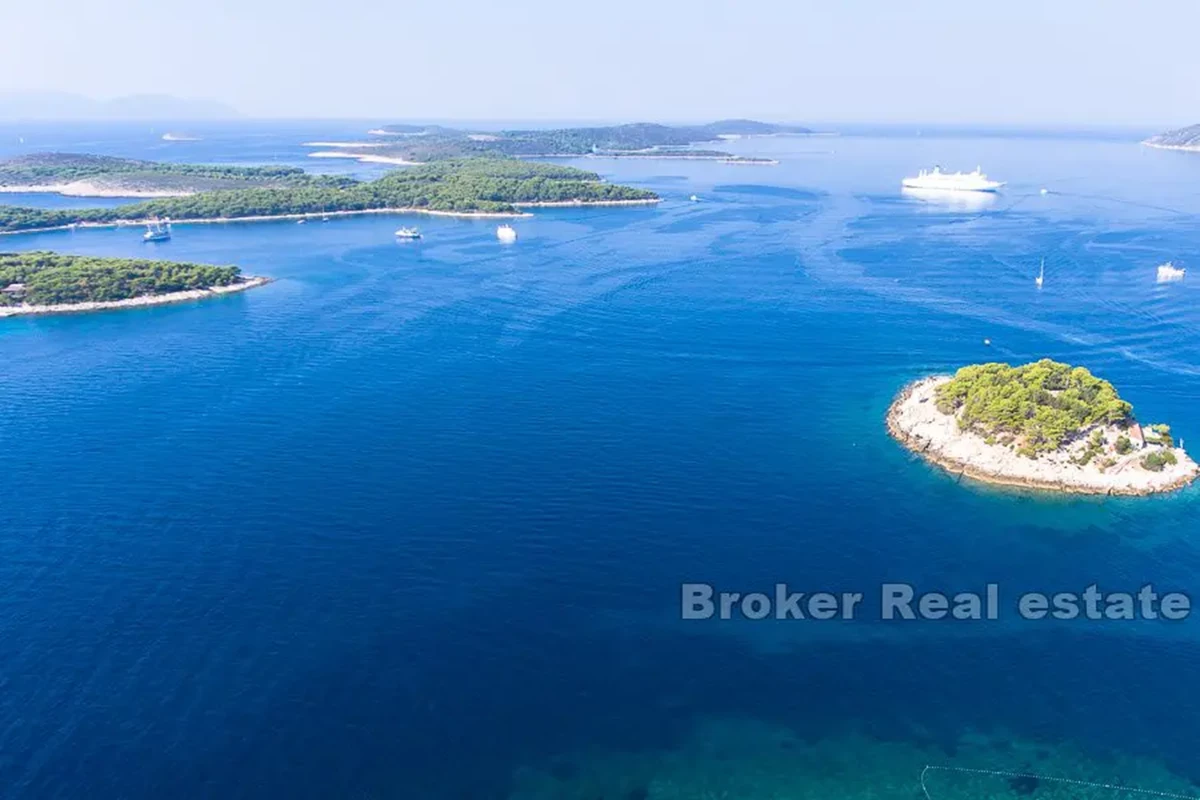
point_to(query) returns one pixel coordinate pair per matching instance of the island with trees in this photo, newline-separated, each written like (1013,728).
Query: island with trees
(462,187)
(425,144)
(1044,425)
(84,175)
(1180,139)
(41,282)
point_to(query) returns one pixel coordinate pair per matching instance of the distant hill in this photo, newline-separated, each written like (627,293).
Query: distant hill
(21,106)
(1180,139)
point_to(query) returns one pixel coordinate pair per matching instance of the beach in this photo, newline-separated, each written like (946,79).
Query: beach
(915,421)
(134,302)
(89,189)
(365,158)
(1187,148)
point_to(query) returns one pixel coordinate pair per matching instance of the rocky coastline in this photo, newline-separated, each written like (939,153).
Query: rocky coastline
(915,421)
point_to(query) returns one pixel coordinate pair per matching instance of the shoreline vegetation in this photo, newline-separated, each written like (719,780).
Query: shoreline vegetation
(432,143)
(461,187)
(39,283)
(1186,139)
(1045,426)
(516,214)
(724,158)
(82,175)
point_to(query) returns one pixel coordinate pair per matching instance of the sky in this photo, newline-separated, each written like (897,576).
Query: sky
(1012,62)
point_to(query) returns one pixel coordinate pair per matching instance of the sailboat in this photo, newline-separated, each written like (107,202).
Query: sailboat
(157,231)
(1042,275)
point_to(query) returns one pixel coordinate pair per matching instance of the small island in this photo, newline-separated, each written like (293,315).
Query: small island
(51,283)
(1180,139)
(1044,425)
(82,175)
(422,144)
(456,187)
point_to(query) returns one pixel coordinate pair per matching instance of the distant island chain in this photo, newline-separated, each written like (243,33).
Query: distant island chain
(198,193)
(419,144)
(1044,425)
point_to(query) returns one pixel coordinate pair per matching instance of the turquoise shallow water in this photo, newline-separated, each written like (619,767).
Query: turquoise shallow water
(411,520)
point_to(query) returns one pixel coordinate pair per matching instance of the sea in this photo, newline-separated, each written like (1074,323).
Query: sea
(414,520)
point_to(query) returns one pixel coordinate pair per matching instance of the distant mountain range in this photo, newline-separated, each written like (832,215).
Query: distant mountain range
(1179,139)
(21,106)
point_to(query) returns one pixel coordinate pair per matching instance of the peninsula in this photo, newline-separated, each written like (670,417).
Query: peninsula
(425,144)
(465,187)
(1180,139)
(104,176)
(1044,425)
(50,283)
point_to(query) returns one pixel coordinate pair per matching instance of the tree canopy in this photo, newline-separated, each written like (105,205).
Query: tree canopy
(432,142)
(52,278)
(461,185)
(1045,402)
(43,169)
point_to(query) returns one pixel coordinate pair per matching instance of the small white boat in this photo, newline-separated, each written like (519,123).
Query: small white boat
(505,233)
(1041,278)
(1045,191)
(157,231)
(408,233)
(694,199)
(301,221)
(1168,272)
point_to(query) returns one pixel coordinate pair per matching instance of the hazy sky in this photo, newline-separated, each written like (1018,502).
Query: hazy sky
(1008,61)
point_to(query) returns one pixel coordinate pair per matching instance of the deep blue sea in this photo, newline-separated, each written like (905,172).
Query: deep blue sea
(411,521)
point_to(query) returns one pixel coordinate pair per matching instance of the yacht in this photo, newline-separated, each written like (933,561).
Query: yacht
(505,233)
(952,181)
(157,231)
(408,233)
(1169,272)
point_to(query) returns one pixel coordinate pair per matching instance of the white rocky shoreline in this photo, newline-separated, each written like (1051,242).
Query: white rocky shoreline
(915,421)
(92,189)
(248,282)
(122,223)
(1186,148)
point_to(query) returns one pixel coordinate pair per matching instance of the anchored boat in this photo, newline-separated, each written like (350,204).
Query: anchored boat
(157,231)
(952,181)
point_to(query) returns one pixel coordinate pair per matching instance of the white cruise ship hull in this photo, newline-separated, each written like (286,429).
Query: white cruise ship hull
(951,186)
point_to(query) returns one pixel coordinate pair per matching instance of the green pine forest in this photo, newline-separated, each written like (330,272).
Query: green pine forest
(1045,403)
(458,185)
(52,278)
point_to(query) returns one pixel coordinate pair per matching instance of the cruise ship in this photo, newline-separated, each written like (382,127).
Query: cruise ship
(952,181)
